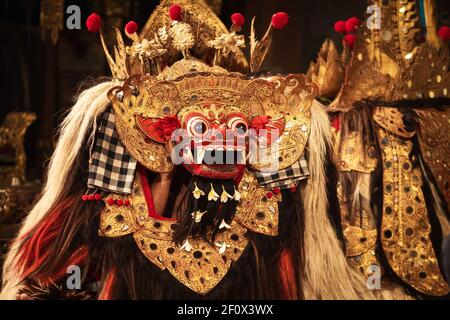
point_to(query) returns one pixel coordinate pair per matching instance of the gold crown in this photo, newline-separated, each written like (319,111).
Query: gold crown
(390,65)
(199,34)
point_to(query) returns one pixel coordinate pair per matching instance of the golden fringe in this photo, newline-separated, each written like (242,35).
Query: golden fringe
(328,275)
(73,131)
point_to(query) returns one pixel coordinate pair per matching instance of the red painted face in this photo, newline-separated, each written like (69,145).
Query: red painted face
(218,145)
(214,138)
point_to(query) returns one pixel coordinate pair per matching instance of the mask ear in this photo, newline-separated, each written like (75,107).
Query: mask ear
(269,128)
(285,104)
(140,104)
(158,129)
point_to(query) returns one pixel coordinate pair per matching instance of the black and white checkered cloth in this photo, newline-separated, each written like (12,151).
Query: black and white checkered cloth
(285,178)
(111,166)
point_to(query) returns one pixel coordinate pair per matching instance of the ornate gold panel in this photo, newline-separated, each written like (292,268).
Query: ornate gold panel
(434,139)
(256,212)
(405,227)
(12,133)
(197,264)
(391,119)
(351,154)
(203,266)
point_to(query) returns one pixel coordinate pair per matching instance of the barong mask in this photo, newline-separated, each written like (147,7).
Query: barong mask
(241,137)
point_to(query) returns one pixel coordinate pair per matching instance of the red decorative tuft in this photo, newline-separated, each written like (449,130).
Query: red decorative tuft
(237,19)
(293,188)
(93,22)
(97,196)
(127,203)
(84,197)
(110,201)
(339,26)
(90,197)
(351,24)
(276,190)
(131,27)
(119,202)
(269,195)
(175,12)
(350,40)
(280,20)
(444,33)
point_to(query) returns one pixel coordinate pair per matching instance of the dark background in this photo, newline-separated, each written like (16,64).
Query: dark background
(37,76)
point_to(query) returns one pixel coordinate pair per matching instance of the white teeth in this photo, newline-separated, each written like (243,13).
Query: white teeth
(246,156)
(242,157)
(188,153)
(200,155)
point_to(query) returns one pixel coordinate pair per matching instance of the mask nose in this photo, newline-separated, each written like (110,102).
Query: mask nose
(218,131)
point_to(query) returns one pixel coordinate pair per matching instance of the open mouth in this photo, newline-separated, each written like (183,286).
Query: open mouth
(214,155)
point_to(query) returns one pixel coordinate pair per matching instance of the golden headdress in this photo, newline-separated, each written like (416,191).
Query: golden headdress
(393,63)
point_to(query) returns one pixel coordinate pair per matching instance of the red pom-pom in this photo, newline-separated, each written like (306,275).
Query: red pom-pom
(237,19)
(110,201)
(339,26)
(131,27)
(444,33)
(127,202)
(276,190)
(351,24)
(93,22)
(175,12)
(293,188)
(84,197)
(269,195)
(280,20)
(119,202)
(97,196)
(90,197)
(350,40)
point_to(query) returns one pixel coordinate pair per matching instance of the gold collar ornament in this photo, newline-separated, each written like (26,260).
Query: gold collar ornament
(197,264)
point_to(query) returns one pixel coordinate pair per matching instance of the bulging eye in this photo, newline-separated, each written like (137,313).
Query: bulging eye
(238,124)
(197,126)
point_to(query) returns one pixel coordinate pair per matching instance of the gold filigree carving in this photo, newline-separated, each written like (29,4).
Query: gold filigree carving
(434,140)
(288,97)
(391,119)
(12,134)
(200,266)
(254,211)
(351,154)
(328,71)
(360,248)
(200,16)
(427,77)
(405,227)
